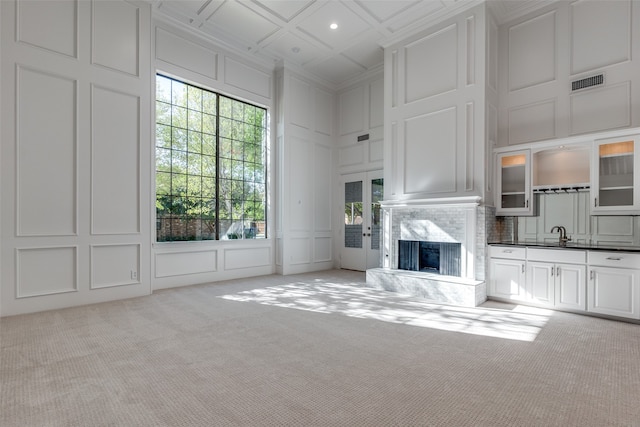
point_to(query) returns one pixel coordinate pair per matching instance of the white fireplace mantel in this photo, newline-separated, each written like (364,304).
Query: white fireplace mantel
(443,202)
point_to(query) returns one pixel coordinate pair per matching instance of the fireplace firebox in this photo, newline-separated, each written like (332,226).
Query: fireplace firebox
(431,257)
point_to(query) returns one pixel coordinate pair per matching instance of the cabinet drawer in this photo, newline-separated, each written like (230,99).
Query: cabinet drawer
(569,256)
(614,259)
(509,252)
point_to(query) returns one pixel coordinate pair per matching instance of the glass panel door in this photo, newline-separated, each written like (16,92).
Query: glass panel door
(353,214)
(616,174)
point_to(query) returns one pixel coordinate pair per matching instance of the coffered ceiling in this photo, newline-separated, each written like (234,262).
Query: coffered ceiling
(298,31)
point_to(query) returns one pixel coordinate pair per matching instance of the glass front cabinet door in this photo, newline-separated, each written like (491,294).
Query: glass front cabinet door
(514,184)
(615,179)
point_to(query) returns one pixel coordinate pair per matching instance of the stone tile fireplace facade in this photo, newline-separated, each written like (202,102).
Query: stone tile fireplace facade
(454,220)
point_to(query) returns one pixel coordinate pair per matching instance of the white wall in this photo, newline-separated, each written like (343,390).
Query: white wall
(434,116)
(361,111)
(75,143)
(186,56)
(542,53)
(306,176)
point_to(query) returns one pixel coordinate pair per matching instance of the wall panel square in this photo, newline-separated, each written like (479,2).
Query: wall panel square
(431,153)
(114,265)
(46,154)
(532,52)
(46,271)
(51,25)
(431,65)
(115,38)
(186,54)
(596,46)
(115,162)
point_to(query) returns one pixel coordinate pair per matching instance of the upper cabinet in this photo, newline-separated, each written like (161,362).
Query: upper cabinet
(615,178)
(514,184)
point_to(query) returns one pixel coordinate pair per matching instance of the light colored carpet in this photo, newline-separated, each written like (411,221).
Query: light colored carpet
(314,350)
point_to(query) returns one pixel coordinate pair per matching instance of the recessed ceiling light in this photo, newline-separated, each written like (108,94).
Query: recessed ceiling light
(295,49)
(333,26)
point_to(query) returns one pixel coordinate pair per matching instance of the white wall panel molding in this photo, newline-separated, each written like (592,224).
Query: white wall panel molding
(186,262)
(470,49)
(376,103)
(299,112)
(46,176)
(532,122)
(186,54)
(376,151)
(247,78)
(532,57)
(115,162)
(601,109)
(61,15)
(598,46)
(322,178)
(114,265)
(425,77)
(492,55)
(235,259)
(324,101)
(300,183)
(300,252)
(490,143)
(470,144)
(322,251)
(353,155)
(352,111)
(430,167)
(115,36)
(394,79)
(46,271)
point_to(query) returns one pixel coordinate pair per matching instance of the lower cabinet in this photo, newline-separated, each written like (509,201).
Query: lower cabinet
(614,284)
(507,279)
(507,272)
(592,281)
(556,285)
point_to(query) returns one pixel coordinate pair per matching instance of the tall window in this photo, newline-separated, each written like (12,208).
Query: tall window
(210,165)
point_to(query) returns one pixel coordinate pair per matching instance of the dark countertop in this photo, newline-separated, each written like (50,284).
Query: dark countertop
(570,245)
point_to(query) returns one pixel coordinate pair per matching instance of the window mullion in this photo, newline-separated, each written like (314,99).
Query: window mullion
(217,192)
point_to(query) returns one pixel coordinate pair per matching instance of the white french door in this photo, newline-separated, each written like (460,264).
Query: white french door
(362,229)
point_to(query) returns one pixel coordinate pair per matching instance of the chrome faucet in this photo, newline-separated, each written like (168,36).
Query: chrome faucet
(563,239)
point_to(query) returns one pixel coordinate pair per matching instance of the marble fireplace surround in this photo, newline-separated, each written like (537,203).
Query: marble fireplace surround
(460,220)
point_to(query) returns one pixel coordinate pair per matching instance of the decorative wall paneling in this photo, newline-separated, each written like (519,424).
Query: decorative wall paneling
(76,122)
(305,157)
(185,55)
(360,113)
(542,53)
(435,110)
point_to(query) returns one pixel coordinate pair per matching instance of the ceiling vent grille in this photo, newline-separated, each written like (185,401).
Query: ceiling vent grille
(588,82)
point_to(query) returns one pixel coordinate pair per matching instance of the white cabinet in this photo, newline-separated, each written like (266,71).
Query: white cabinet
(614,284)
(615,177)
(514,184)
(556,278)
(507,272)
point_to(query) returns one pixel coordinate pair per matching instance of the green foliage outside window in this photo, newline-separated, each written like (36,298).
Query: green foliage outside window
(210,165)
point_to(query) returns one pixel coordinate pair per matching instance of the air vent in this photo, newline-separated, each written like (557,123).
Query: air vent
(588,82)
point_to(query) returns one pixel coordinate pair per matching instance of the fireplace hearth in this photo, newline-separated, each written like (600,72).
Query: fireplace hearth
(434,249)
